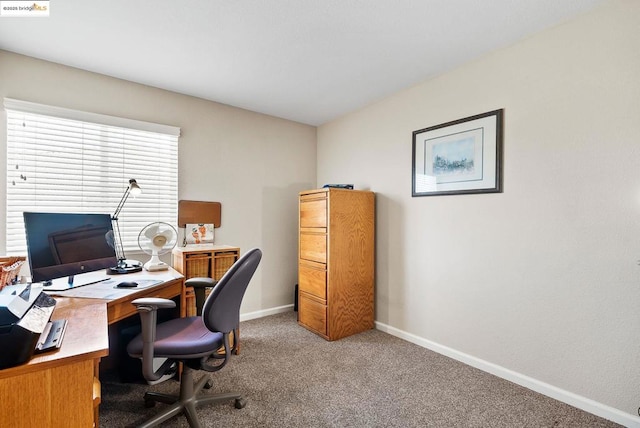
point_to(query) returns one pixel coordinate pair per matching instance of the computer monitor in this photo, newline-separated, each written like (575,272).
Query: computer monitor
(68,244)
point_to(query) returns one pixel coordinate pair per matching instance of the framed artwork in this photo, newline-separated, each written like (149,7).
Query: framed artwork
(198,233)
(459,157)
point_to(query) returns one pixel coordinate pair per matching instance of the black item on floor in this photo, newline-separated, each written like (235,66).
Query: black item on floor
(129,369)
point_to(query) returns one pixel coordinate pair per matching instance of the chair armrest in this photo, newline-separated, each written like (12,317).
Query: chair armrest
(148,307)
(153,303)
(200,282)
(199,285)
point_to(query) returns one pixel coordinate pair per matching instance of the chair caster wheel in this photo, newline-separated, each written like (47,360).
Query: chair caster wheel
(208,385)
(240,403)
(149,403)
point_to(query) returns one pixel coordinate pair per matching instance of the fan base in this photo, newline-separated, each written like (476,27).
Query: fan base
(156,266)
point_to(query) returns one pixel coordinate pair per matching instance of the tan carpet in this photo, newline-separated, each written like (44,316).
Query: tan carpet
(293,378)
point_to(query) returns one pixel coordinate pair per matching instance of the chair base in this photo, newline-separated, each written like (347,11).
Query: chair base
(187,401)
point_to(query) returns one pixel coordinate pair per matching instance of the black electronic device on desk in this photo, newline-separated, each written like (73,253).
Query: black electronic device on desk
(127,284)
(25,312)
(338,186)
(64,247)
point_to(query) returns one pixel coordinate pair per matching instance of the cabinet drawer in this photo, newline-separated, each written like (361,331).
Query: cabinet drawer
(313,246)
(313,281)
(312,314)
(313,213)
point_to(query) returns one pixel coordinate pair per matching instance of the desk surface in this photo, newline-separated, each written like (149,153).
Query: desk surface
(168,284)
(88,311)
(62,386)
(108,290)
(86,336)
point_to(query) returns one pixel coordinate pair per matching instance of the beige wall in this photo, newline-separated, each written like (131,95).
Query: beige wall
(543,279)
(255,165)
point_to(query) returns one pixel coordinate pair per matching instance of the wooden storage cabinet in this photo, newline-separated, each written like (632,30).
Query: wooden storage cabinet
(336,261)
(209,261)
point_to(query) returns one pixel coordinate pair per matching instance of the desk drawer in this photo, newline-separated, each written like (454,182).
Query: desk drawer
(122,308)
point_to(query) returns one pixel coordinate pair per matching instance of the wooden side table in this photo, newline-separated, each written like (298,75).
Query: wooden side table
(208,261)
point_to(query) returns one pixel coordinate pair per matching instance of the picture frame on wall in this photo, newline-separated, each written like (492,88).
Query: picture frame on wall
(459,157)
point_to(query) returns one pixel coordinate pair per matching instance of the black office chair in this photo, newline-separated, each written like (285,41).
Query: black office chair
(192,341)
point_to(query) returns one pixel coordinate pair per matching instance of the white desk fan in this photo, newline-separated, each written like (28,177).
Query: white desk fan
(156,239)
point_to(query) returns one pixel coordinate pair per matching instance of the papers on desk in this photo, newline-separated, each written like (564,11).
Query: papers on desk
(106,289)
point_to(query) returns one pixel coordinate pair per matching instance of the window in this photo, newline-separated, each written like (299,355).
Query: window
(61,160)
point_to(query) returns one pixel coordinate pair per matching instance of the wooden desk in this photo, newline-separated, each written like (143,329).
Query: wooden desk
(60,388)
(172,286)
(167,284)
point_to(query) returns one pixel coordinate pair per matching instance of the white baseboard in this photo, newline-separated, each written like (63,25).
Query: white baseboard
(266,312)
(575,400)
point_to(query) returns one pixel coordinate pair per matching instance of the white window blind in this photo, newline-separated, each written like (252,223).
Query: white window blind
(61,160)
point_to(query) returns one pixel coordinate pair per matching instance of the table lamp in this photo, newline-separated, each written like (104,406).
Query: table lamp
(124,265)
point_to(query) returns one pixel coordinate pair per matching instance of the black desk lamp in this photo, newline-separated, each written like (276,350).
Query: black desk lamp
(124,265)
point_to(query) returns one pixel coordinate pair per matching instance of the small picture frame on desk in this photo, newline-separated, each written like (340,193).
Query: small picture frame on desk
(200,233)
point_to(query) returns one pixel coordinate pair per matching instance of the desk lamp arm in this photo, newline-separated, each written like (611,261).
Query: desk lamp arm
(134,189)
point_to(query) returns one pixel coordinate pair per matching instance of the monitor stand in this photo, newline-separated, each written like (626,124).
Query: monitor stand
(62,284)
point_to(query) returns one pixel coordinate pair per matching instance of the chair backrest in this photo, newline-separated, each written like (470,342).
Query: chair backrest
(221,310)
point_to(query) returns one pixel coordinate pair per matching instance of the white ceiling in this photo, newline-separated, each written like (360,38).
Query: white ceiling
(305,60)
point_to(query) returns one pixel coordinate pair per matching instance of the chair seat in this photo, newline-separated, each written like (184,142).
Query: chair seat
(180,338)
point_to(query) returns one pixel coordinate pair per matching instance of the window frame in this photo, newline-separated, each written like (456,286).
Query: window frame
(145,151)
